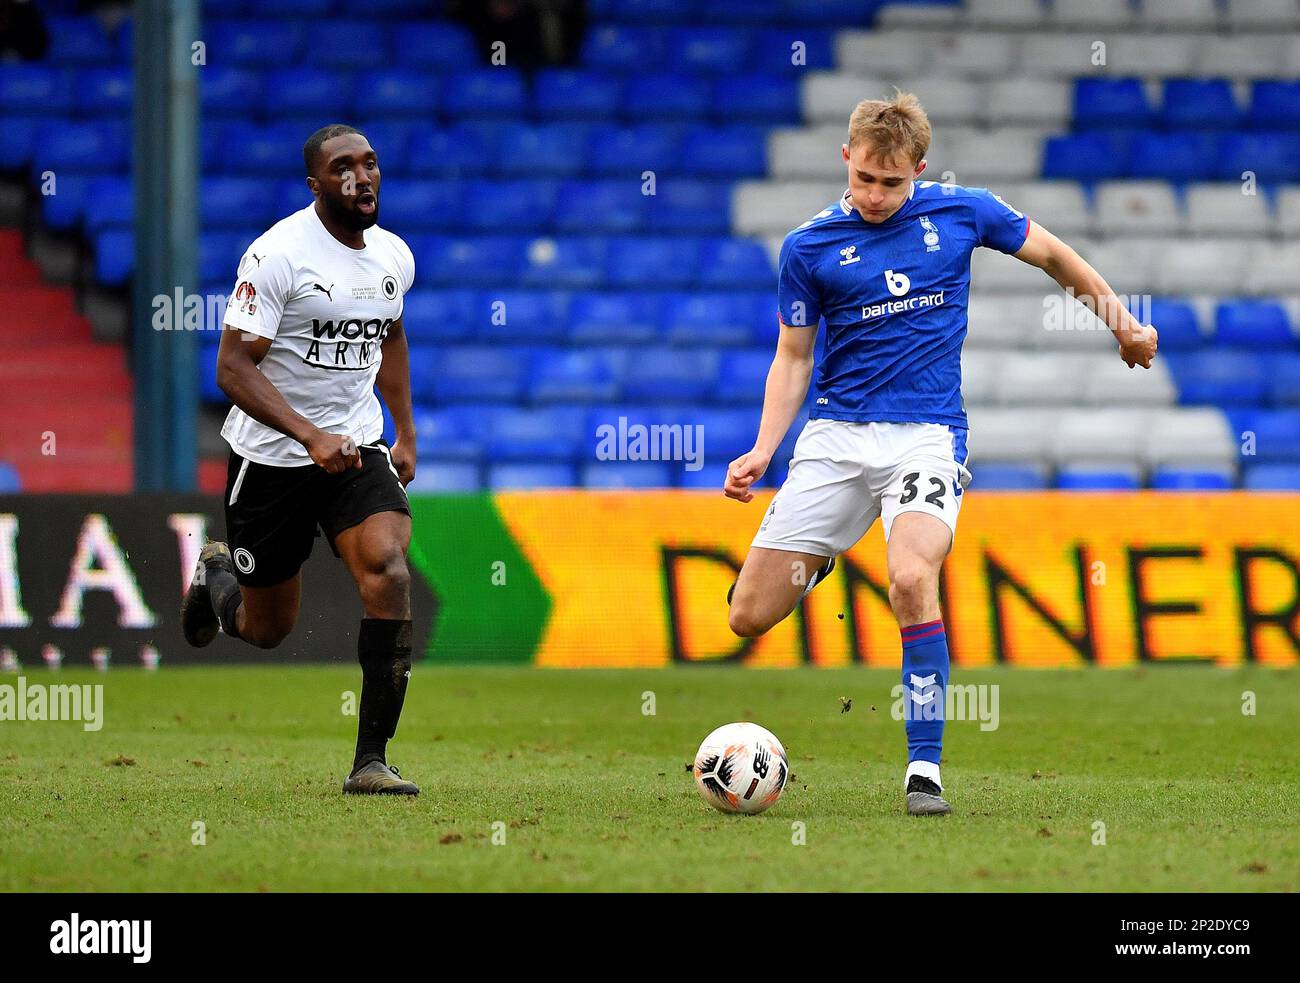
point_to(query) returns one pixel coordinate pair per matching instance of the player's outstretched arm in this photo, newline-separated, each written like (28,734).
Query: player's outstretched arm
(787,385)
(394,383)
(239,378)
(1137,342)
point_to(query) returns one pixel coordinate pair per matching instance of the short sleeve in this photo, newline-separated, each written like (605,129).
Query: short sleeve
(999,225)
(263,287)
(406,267)
(797,297)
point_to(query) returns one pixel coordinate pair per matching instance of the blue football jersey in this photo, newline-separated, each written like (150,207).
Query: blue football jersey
(894,296)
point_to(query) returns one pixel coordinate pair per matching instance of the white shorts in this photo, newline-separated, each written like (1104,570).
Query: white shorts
(843,475)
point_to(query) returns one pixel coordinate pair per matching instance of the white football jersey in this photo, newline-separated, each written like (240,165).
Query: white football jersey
(327,308)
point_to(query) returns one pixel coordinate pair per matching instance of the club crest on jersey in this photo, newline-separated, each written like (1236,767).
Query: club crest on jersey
(931,237)
(389,287)
(850,255)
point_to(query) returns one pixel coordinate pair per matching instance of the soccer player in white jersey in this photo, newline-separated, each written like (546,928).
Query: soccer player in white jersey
(314,325)
(888,268)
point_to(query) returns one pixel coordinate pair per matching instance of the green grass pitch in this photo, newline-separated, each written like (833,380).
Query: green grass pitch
(591,794)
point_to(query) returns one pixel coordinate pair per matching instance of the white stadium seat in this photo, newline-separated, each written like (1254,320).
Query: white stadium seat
(1191,436)
(1291,57)
(1016,435)
(995,271)
(1112,383)
(1057,55)
(1184,14)
(1024,100)
(1014,15)
(954,101)
(1067,325)
(1128,265)
(918,15)
(1182,266)
(1273,267)
(1151,55)
(813,152)
(1241,56)
(1059,206)
(996,155)
(888,53)
(1000,321)
(1252,14)
(1288,211)
(775,207)
(829,97)
(970,54)
(1092,13)
(1221,209)
(1091,436)
(1043,378)
(1137,207)
(979,373)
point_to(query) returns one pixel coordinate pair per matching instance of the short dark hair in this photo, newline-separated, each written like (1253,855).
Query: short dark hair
(312,147)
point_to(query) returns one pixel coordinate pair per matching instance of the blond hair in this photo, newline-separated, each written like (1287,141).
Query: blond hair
(896,128)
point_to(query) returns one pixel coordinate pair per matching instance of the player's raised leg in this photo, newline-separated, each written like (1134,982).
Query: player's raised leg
(918,543)
(771,583)
(216,601)
(375,553)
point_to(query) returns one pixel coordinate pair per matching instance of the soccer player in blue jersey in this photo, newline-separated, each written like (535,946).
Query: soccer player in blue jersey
(888,268)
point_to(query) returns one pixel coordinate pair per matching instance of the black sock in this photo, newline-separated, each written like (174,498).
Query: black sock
(223,590)
(384,649)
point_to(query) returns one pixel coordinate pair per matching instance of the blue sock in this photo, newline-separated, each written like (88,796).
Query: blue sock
(925,678)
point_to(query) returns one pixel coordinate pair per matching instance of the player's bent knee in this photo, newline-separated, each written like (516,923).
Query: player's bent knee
(747,622)
(266,637)
(387,582)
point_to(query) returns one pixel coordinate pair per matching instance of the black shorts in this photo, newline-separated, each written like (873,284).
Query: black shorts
(274,514)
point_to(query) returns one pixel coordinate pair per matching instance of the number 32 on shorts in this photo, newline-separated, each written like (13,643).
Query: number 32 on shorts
(911,490)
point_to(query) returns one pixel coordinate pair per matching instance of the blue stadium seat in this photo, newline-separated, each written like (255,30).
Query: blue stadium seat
(532,474)
(521,206)
(453,152)
(606,205)
(19,144)
(441,45)
(564,93)
(767,99)
(775,50)
(643,11)
(572,261)
(468,261)
(549,150)
(1083,480)
(725,151)
(727,262)
(345,44)
(1176,322)
(484,93)
(526,316)
(710,477)
(628,474)
(447,477)
(473,374)
(1218,377)
(391,141)
(1277,434)
(1111,103)
(35,90)
(624,318)
(63,210)
(666,97)
(1273,477)
(114,257)
(536,432)
(1006,477)
(78,41)
(398,93)
(272,149)
(209,391)
(454,433)
(1253,324)
(235,202)
(614,47)
(727,433)
(1270,156)
(836,13)
(110,201)
(310,94)
(742,375)
(710,50)
(292,194)
(1186,479)
(219,254)
(1275,104)
(652,262)
(1085,156)
(430,315)
(228,90)
(259,42)
(10,483)
(587,375)
(83,146)
(671,375)
(1173,156)
(1284,379)
(696,208)
(628,151)
(1206,104)
(708,318)
(103,92)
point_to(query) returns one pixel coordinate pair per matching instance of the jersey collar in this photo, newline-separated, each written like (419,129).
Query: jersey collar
(846,204)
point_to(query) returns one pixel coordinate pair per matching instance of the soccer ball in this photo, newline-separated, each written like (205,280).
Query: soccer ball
(741,767)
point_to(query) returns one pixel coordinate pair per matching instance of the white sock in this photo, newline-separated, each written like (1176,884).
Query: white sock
(926,769)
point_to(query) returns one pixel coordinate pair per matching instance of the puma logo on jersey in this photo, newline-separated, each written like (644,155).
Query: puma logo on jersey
(327,293)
